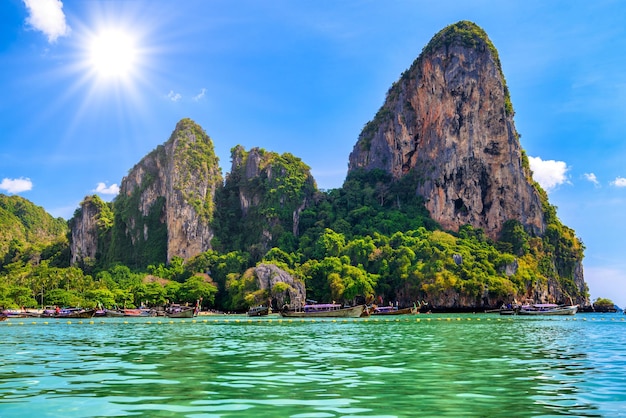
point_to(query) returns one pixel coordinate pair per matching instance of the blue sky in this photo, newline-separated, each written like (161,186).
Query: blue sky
(303,77)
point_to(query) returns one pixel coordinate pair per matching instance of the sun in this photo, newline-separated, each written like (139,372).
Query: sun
(113,53)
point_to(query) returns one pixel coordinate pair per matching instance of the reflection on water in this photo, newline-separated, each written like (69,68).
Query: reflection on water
(463,365)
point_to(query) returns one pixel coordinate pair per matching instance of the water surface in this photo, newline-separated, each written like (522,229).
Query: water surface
(426,365)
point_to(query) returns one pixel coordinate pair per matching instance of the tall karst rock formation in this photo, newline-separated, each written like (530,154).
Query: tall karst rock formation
(263,196)
(88,227)
(164,208)
(449,121)
(175,184)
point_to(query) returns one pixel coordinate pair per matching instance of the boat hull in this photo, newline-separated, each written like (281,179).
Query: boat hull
(561,310)
(404,311)
(352,312)
(85,313)
(179,311)
(114,313)
(188,313)
(508,312)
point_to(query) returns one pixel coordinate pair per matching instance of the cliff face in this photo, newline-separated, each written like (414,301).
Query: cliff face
(449,120)
(84,232)
(262,199)
(171,192)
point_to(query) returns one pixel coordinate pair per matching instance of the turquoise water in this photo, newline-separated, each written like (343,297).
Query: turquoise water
(425,365)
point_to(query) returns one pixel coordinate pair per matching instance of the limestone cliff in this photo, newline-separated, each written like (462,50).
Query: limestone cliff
(262,199)
(449,119)
(166,202)
(91,220)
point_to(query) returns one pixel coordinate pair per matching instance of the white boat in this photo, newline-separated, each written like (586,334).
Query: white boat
(325,310)
(547,309)
(259,311)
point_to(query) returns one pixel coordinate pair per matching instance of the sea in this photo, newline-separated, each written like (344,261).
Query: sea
(426,365)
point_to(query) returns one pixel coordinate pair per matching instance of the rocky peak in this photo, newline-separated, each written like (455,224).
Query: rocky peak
(86,226)
(166,201)
(449,121)
(268,190)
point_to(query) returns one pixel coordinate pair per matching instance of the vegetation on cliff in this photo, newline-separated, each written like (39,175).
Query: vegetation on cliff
(260,203)
(128,244)
(195,162)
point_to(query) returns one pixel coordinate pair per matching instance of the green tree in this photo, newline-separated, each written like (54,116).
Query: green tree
(198,288)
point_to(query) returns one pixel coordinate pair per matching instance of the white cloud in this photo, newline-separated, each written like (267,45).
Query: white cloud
(102,188)
(549,174)
(16,185)
(619,182)
(47,16)
(200,95)
(592,178)
(174,96)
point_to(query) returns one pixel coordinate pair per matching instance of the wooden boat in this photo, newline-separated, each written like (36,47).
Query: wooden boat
(139,312)
(75,313)
(177,311)
(20,313)
(48,311)
(508,309)
(259,310)
(547,309)
(392,310)
(114,313)
(325,310)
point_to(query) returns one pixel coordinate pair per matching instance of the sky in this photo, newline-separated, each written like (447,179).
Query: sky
(90,87)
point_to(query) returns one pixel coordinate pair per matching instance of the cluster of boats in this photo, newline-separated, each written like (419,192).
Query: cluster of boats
(48,312)
(311,310)
(172,311)
(333,310)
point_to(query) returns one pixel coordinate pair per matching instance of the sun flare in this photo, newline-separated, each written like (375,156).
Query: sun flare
(113,54)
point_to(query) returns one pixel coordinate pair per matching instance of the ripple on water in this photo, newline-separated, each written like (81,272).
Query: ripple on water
(369,369)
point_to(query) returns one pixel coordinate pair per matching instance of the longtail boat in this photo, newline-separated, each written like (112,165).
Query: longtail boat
(324,310)
(392,310)
(75,313)
(259,311)
(547,309)
(177,311)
